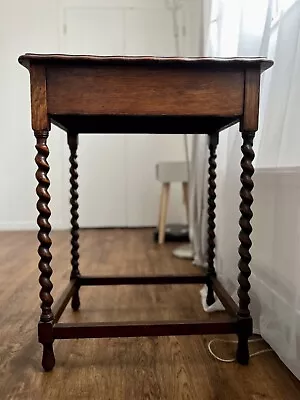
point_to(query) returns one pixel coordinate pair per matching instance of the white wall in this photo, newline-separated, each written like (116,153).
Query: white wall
(25,26)
(275,298)
(29,26)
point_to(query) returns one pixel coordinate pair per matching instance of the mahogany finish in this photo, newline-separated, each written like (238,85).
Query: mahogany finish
(212,146)
(143,95)
(74,90)
(142,329)
(259,63)
(62,302)
(75,273)
(227,301)
(141,280)
(244,248)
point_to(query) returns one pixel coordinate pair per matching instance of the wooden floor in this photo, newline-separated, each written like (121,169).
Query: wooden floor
(112,369)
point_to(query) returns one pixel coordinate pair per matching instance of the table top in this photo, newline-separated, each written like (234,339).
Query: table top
(60,59)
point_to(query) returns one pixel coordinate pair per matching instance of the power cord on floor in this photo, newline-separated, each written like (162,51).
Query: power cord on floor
(234,341)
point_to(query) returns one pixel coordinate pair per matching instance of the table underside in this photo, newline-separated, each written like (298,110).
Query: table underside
(75,124)
(141,123)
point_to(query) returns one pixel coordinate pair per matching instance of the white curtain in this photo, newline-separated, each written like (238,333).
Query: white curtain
(276,235)
(237,36)
(198,175)
(245,29)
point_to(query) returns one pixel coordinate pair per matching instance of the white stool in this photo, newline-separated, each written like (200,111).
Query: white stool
(166,173)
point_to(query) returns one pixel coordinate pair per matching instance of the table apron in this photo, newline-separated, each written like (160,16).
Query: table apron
(144,91)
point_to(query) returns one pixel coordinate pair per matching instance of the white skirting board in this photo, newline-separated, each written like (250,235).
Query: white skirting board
(275,268)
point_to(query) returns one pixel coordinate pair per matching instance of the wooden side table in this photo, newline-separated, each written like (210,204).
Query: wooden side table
(85,94)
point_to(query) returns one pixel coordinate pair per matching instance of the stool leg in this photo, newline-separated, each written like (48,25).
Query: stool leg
(45,330)
(75,273)
(164,199)
(211,272)
(185,190)
(244,317)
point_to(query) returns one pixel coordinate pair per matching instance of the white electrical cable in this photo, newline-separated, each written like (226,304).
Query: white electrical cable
(230,360)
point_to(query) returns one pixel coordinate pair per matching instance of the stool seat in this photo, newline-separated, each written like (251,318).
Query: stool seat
(172,171)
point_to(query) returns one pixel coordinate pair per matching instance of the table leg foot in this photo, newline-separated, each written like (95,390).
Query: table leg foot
(75,273)
(242,352)
(75,303)
(48,360)
(210,298)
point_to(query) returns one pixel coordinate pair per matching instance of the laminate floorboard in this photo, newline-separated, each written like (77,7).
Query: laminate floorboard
(167,368)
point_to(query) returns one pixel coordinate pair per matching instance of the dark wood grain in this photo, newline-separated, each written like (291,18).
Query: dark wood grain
(46,318)
(245,245)
(144,91)
(88,88)
(245,223)
(211,215)
(141,280)
(75,273)
(44,225)
(198,62)
(61,303)
(39,107)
